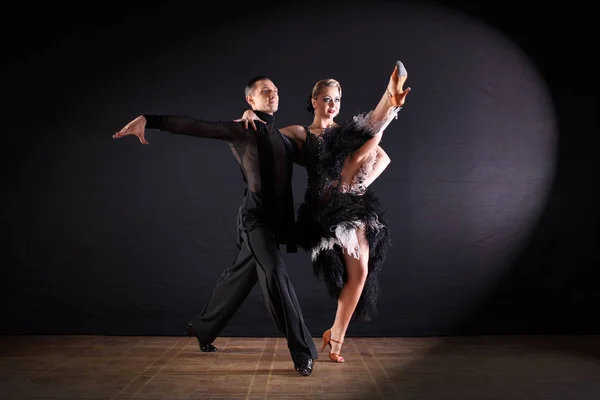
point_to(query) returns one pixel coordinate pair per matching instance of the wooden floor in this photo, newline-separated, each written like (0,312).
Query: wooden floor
(465,368)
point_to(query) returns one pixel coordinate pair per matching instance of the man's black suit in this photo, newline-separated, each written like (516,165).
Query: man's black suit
(265,220)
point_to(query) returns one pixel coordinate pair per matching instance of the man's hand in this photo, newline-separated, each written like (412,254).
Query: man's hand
(249,117)
(137,127)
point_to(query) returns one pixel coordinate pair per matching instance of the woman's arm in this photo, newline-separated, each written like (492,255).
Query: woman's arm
(295,132)
(382,160)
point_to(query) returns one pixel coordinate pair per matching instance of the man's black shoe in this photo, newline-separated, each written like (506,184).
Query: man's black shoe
(304,367)
(205,347)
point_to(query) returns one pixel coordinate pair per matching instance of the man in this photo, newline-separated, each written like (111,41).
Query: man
(265,220)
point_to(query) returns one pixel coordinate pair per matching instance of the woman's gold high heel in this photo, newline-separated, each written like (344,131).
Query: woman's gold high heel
(336,357)
(395,87)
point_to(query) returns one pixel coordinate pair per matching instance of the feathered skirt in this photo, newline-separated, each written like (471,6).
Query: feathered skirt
(327,229)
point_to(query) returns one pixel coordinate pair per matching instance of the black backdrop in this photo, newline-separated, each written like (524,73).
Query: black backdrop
(491,190)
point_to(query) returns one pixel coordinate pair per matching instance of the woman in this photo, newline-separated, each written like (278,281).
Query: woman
(340,223)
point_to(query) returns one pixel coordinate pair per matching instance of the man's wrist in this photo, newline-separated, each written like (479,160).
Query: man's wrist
(154,121)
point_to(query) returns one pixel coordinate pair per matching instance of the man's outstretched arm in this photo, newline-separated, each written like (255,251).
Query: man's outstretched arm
(231,132)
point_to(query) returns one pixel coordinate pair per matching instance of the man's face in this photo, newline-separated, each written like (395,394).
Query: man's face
(264,97)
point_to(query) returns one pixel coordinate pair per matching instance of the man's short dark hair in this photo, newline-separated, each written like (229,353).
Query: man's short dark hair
(250,86)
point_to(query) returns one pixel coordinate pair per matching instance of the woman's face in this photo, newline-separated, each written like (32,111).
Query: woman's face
(328,102)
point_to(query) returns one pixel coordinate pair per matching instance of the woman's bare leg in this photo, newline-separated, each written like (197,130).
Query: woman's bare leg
(357,270)
(394,96)
(379,119)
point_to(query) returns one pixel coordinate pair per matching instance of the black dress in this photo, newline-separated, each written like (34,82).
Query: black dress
(330,214)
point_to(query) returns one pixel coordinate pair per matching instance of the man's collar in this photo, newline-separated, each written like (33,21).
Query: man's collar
(268,118)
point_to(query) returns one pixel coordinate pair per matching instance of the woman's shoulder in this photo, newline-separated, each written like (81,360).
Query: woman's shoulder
(297,132)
